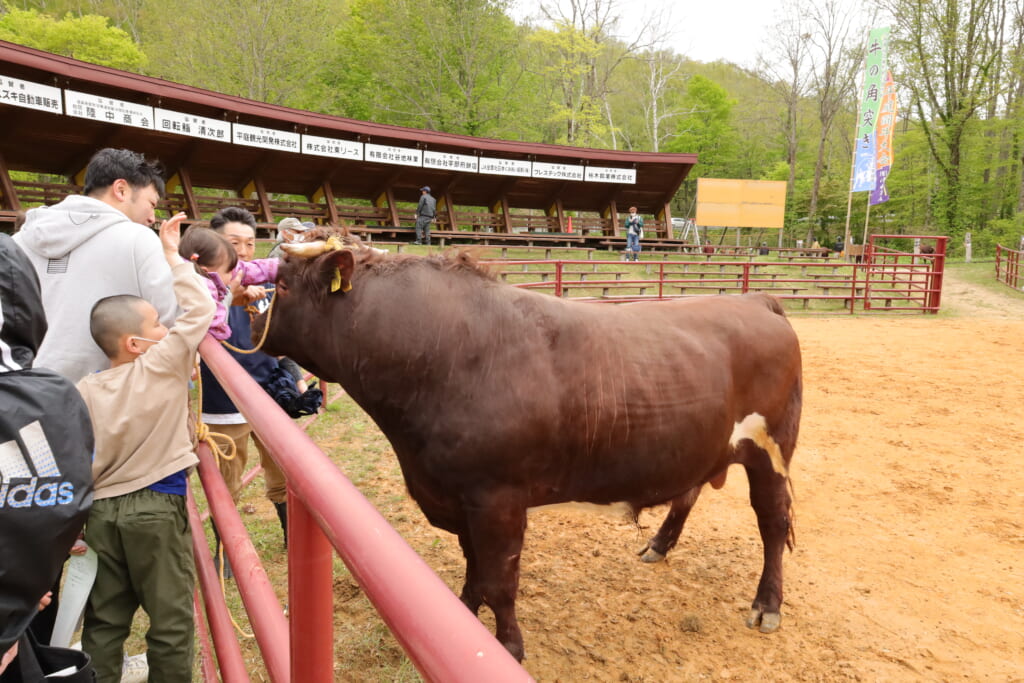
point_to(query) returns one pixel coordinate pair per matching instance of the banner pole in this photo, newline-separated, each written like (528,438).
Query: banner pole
(867,216)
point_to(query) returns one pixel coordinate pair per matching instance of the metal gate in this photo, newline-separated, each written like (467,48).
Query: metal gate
(904,272)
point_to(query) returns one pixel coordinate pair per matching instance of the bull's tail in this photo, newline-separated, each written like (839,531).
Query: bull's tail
(791,515)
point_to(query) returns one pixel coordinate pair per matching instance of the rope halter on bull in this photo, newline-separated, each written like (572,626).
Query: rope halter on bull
(303,250)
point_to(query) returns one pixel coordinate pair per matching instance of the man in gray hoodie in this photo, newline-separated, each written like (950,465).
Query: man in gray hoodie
(94,245)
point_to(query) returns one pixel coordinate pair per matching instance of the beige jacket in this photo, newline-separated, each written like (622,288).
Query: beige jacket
(139,410)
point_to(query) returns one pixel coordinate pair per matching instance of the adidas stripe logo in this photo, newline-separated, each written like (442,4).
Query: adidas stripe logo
(38,466)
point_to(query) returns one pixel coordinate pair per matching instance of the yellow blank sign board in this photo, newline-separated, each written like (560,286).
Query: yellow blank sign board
(741,203)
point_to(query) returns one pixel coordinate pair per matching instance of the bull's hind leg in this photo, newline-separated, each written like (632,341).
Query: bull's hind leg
(668,534)
(769,496)
(496,529)
(470,597)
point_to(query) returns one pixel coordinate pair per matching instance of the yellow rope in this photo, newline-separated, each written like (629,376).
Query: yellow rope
(203,433)
(266,328)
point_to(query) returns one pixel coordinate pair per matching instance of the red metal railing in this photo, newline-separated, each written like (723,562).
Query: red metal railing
(442,638)
(887,280)
(1008,267)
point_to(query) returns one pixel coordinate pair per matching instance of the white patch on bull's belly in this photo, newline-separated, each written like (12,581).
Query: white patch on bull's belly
(621,510)
(755,428)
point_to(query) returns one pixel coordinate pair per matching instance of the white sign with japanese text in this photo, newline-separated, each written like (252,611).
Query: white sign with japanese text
(108,110)
(451,162)
(267,138)
(386,154)
(557,171)
(330,147)
(31,95)
(189,124)
(496,166)
(602,174)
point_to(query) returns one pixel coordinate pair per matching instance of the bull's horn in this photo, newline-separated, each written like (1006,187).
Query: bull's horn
(305,249)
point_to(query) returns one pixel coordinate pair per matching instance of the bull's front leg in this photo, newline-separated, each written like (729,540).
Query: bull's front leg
(496,523)
(668,534)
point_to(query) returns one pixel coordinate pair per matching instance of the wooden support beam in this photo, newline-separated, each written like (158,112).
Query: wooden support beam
(501,206)
(185,179)
(325,193)
(555,209)
(386,198)
(445,204)
(611,212)
(256,186)
(10,195)
(665,216)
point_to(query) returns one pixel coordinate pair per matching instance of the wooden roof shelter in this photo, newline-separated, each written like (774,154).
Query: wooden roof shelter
(55,112)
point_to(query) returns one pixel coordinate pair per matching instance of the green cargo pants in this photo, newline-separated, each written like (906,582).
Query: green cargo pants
(144,546)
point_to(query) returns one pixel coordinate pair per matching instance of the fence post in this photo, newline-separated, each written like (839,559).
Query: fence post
(967,247)
(310,596)
(935,281)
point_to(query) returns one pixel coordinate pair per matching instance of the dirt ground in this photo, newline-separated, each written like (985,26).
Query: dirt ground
(909,563)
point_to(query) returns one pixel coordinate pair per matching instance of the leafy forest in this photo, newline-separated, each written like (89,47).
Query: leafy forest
(569,74)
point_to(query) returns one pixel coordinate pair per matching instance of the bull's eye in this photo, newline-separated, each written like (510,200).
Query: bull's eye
(282,287)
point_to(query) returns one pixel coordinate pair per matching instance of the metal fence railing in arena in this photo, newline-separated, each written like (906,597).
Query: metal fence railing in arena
(326,514)
(1008,267)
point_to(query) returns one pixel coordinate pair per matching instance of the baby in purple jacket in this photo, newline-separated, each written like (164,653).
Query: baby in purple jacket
(217,260)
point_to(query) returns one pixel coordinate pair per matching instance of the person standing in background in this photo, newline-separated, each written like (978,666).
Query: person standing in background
(634,233)
(426,210)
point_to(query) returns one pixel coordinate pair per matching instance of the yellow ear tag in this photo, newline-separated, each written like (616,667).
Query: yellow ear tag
(335,244)
(336,282)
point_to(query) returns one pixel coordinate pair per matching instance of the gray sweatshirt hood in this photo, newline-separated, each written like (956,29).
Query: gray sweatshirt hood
(53,231)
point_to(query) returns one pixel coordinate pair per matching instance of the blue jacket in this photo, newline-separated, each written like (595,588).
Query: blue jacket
(259,365)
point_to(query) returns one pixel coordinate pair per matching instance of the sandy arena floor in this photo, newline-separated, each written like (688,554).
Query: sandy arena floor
(909,564)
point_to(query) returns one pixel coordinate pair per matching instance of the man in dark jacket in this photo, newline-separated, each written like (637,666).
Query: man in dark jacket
(239,227)
(426,210)
(46,447)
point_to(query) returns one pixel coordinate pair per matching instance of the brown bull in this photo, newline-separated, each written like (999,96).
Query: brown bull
(497,399)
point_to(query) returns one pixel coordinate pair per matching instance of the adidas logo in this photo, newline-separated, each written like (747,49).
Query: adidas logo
(14,466)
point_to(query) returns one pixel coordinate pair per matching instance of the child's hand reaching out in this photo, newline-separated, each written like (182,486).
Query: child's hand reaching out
(170,237)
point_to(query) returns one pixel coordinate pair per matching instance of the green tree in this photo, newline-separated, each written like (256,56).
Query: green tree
(89,37)
(450,65)
(263,50)
(950,54)
(705,129)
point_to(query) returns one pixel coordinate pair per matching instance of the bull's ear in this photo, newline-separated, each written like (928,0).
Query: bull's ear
(338,267)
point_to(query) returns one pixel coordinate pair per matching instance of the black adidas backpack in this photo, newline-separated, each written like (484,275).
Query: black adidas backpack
(46,447)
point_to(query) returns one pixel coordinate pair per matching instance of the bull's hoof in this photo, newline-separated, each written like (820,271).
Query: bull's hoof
(765,622)
(649,554)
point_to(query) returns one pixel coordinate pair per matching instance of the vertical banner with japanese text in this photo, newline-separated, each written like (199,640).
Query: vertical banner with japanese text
(883,141)
(864,171)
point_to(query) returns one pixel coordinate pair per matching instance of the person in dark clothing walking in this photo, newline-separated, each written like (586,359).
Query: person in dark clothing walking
(426,210)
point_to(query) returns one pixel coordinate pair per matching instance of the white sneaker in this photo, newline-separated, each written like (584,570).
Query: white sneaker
(135,669)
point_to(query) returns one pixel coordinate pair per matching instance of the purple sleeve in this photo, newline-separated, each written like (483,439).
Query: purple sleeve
(219,325)
(258,271)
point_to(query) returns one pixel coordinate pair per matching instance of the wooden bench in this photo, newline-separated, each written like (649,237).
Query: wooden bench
(304,211)
(546,249)
(32,194)
(367,233)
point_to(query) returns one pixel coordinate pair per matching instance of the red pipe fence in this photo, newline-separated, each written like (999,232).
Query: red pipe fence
(1008,267)
(442,638)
